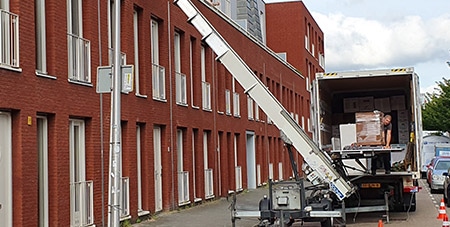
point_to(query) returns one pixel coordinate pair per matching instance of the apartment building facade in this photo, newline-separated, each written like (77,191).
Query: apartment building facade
(304,47)
(189,133)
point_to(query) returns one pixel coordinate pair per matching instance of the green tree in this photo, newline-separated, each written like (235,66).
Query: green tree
(436,110)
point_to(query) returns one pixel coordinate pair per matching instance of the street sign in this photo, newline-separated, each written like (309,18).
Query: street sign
(104,79)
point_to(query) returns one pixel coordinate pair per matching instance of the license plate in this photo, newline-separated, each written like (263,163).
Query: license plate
(370,185)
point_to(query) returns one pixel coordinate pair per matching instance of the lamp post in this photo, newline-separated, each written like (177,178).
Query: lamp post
(115,154)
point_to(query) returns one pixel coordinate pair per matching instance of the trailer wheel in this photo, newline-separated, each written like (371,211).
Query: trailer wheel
(326,223)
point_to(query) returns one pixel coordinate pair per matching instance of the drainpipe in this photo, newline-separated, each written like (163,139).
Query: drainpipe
(102,164)
(169,36)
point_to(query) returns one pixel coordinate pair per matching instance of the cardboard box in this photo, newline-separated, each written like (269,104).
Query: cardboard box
(382,104)
(369,128)
(351,105)
(365,103)
(369,134)
(398,102)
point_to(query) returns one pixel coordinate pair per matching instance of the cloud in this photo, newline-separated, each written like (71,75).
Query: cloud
(354,43)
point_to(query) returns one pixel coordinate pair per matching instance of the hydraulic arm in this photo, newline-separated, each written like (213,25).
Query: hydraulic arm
(319,164)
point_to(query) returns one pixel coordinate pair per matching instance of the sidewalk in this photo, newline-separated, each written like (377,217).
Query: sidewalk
(216,213)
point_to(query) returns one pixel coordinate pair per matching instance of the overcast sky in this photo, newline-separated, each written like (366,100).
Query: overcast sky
(373,34)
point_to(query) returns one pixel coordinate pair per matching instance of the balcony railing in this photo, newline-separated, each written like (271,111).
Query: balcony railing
(9,39)
(180,79)
(159,82)
(238,172)
(209,187)
(79,58)
(125,198)
(183,188)
(82,203)
(123,57)
(206,95)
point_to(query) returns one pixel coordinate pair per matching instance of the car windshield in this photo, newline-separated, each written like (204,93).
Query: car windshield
(442,165)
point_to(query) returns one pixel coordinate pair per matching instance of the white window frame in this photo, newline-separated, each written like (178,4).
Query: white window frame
(250,109)
(9,41)
(42,128)
(136,53)
(41,38)
(206,87)
(79,49)
(180,80)
(158,72)
(227,102)
(81,195)
(191,72)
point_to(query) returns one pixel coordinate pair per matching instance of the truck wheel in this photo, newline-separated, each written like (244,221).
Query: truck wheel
(410,203)
(326,223)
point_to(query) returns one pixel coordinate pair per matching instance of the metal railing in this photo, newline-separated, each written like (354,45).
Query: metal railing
(159,82)
(82,203)
(9,39)
(183,187)
(180,80)
(79,58)
(238,173)
(209,187)
(125,197)
(123,57)
(206,95)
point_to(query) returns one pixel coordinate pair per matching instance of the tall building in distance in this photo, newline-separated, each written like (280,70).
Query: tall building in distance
(296,37)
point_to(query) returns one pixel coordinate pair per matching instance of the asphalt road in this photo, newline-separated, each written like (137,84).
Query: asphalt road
(217,213)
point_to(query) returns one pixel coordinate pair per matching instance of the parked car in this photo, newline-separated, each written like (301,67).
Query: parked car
(435,172)
(446,191)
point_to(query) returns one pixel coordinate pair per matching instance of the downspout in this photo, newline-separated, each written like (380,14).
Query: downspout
(266,134)
(216,136)
(101,116)
(172,196)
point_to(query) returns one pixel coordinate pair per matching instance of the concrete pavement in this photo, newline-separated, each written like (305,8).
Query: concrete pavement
(217,213)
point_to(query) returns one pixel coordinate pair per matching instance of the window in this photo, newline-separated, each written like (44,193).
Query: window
(79,48)
(227,102)
(41,42)
(81,191)
(191,71)
(236,105)
(111,19)
(180,77)
(158,72)
(42,141)
(206,87)
(9,37)
(139,84)
(250,108)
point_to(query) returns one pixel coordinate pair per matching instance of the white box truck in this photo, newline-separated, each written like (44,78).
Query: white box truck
(338,97)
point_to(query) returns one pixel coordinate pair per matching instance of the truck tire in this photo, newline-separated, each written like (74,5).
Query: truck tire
(326,223)
(410,203)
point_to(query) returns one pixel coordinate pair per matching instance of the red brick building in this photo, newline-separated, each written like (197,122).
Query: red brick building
(297,35)
(189,133)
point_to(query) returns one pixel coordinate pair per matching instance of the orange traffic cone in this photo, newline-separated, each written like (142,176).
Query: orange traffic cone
(380,223)
(442,213)
(445,222)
